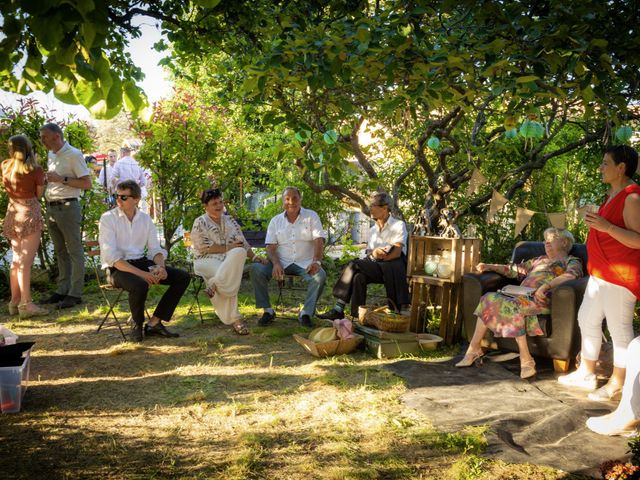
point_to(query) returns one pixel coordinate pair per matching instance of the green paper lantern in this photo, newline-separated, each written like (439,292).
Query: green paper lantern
(433,143)
(624,133)
(511,134)
(531,129)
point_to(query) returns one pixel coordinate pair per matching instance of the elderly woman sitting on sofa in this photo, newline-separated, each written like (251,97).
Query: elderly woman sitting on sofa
(516,317)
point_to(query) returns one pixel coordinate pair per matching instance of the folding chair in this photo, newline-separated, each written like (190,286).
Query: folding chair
(288,283)
(92,249)
(197,282)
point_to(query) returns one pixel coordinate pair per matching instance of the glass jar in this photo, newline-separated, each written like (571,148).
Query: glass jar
(444,269)
(430,265)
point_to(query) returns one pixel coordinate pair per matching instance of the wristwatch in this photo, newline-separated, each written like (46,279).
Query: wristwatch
(317,262)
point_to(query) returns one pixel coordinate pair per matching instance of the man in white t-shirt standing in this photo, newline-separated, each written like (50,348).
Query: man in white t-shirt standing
(67,177)
(127,168)
(295,245)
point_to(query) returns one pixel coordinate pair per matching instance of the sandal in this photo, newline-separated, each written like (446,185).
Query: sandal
(604,394)
(528,369)
(240,328)
(470,358)
(210,291)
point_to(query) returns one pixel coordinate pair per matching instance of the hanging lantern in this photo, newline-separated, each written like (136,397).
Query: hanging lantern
(531,129)
(624,133)
(511,134)
(433,143)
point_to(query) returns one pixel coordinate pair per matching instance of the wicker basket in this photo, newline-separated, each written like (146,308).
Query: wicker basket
(363,310)
(386,320)
(327,349)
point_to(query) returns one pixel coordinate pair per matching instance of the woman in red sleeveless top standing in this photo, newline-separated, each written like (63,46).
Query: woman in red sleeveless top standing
(613,246)
(23,180)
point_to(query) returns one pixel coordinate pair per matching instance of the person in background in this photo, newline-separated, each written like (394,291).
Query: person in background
(220,251)
(386,263)
(517,317)
(23,180)
(105,177)
(295,245)
(127,168)
(67,177)
(125,235)
(613,248)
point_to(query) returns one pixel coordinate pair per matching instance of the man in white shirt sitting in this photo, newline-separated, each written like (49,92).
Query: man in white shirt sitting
(125,233)
(386,263)
(295,245)
(127,168)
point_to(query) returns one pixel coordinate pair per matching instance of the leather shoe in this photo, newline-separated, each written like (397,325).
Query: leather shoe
(266,319)
(160,330)
(332,314)
(136,333)
(69,302)
(53,298)
(305,321)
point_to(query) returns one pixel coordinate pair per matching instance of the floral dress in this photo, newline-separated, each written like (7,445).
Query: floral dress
(513,317)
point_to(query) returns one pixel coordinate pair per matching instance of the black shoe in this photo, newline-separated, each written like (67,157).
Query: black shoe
(160,330)
(54,298)
(136,333)
(69,302)
(305,321)
(266,319)
(332,314)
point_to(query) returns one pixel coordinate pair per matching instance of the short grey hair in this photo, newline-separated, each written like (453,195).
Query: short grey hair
(53,127)
(295,189)
(564,234)
(380,199)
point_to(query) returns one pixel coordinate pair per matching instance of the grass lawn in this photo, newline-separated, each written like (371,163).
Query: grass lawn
(211,404)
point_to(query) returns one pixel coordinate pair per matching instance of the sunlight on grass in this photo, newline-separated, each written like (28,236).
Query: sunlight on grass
(213,405)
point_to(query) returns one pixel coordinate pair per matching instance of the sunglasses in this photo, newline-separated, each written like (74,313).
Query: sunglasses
(124,198)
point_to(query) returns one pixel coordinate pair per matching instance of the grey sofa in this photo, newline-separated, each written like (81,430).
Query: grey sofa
(561,341)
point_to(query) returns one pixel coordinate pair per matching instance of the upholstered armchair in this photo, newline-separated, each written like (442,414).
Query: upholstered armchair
(561,341)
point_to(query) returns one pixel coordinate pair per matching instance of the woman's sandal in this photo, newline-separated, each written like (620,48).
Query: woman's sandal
(528,369)
(240,328)
(604,394)
(210,291)
(469,359)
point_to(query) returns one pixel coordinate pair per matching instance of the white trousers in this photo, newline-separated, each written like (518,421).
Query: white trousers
(630,402)
(603,299)
(226,276)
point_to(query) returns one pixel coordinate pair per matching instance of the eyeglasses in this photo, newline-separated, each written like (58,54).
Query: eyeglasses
(124,198)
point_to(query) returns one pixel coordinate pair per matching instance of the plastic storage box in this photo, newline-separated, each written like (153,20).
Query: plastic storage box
(14,375)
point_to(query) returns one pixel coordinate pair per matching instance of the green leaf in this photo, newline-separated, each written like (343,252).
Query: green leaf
(303,135)
(134,100)
(527,79)
(64,91)
(207,3)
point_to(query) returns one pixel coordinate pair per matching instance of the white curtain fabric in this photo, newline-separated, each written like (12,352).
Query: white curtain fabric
(226,275)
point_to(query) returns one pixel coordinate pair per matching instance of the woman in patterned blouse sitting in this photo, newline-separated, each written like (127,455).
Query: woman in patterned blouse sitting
(516,317)
(220,250)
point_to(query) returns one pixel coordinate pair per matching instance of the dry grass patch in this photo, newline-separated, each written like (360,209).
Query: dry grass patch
(212,405)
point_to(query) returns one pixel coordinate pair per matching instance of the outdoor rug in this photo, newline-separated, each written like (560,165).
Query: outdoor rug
(539,422)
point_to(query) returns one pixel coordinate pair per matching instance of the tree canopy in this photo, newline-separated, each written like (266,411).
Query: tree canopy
(444,86)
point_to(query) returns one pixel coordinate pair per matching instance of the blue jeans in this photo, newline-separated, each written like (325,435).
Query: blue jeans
(261,274)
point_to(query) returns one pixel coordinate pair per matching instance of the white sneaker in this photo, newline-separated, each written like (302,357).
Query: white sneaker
(611,425)
(579,379)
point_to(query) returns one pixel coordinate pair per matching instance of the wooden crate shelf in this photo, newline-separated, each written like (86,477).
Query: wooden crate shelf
(428,291)
(465,254)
